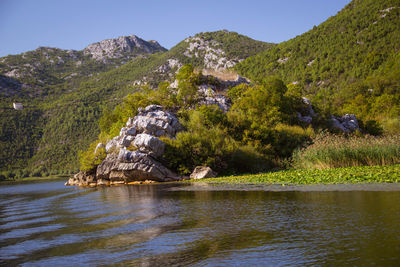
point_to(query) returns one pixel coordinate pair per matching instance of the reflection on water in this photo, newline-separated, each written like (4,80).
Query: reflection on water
(48,224)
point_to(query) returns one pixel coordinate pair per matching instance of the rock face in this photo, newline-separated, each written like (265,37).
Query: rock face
(153,120)
(307,114)
(210,52)
(171,64)
(347,123)
(202,172)
(133,154)
(149,144)
(116,48)
(215,94)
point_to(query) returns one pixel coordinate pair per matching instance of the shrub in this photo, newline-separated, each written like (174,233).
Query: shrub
(91,158)
(10,175)
(37,172)
(246,159)
(392,125)
(209,147)
(25,173)
(287,138)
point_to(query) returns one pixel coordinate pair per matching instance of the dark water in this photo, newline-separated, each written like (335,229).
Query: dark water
(47,224)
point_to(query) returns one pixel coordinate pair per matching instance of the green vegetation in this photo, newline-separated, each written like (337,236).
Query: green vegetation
(348,64)
(349,175)
(332,151)
(64,101)
(236,45)
(258,133)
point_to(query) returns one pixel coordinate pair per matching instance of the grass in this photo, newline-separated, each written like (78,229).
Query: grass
(348,175)
(333,151)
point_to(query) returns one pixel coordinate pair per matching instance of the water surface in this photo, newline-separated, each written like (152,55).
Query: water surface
(48,224)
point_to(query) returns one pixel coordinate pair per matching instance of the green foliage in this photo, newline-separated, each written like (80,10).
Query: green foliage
(20,132)
(246,159)
(204,142)
(236,45)
(187,94)
(249,138)
(348,64)
(332,151)
(66,100)
(349,175)
(261,117)
(200,147)
(91,158)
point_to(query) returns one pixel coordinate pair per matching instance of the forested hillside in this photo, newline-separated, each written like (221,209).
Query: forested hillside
(62,111)
(348,64)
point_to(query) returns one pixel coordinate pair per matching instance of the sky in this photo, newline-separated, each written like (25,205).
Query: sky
(73,24)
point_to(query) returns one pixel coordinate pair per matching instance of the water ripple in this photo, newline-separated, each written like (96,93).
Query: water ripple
(151,225)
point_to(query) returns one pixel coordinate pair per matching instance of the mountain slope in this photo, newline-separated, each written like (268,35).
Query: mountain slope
(346,64)
(70,108)
(37,71)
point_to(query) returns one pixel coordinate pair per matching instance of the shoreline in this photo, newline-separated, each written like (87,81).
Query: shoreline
(375,187)
(34,180)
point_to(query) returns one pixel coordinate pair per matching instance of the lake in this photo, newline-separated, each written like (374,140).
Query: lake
(48,224)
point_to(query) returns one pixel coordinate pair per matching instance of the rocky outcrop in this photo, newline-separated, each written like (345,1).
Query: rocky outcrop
(134,154)
(307,114)
(83,178)
(117,48)
(129,166)
(149,144)
(215,94)
(346,124)
(171,64)
(202,172)
(210,52)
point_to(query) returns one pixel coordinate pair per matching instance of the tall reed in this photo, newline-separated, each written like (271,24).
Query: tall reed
(333,151)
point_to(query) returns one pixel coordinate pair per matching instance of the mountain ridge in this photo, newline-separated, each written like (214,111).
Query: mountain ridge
(50,66)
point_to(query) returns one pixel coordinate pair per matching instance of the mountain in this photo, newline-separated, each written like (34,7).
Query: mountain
(125,47)
(34,72)
(65,92)
(348,64)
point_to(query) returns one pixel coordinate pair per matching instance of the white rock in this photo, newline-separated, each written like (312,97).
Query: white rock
(149,144)
(347,123)
(131,131)
(202,172)
(127,140)
(112,145)
(99,146)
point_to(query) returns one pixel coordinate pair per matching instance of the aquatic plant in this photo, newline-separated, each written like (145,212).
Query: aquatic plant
(349,175)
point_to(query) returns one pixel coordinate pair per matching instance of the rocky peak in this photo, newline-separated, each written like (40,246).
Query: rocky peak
(210,51)
(119,47)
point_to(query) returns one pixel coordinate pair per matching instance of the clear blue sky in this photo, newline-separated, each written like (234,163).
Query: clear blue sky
(73,24)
